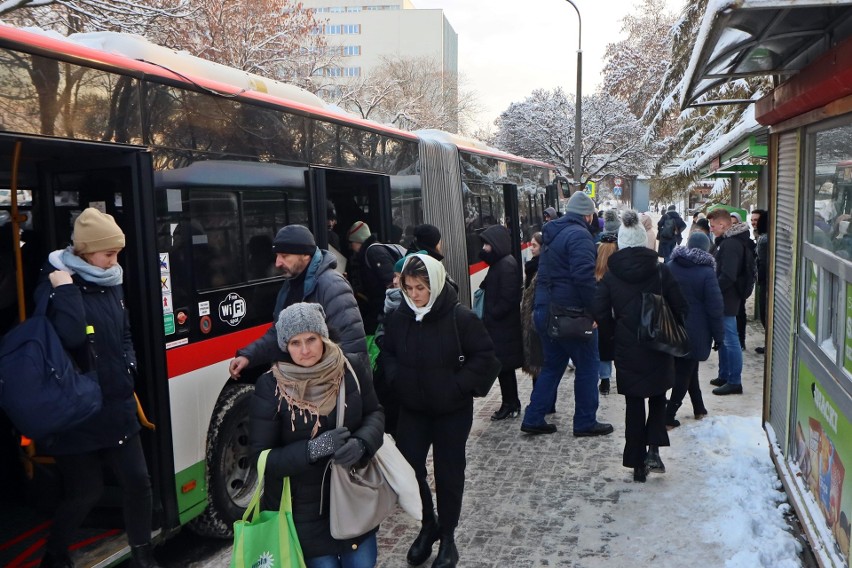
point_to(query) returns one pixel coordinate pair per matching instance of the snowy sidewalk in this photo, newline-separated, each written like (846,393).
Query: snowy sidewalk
(556,500)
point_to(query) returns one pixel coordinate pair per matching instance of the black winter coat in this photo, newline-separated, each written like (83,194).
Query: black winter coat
(72,307)
(502,306)
(729,252)
(422,357)
(324,286)
(269,427)
(372,273)
(695,272)
(641,372)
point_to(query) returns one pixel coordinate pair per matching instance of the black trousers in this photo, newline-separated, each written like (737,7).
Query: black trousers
(686,380)
(83,484)
(639,433)
(509,387)
(447,435)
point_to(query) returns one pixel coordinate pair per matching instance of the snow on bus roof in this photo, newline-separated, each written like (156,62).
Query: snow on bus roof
(473,145)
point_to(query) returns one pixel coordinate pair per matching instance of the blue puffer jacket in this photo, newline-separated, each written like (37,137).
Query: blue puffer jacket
(566,266)
(324,286)
(695,271)
(72,307)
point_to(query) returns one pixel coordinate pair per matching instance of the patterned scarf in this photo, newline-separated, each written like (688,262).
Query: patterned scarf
(312,391)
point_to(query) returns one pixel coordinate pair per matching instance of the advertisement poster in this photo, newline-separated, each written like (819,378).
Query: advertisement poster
(823,451)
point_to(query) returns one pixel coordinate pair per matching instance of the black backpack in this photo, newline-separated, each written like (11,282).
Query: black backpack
(395,251)
(668,230)
(40,389)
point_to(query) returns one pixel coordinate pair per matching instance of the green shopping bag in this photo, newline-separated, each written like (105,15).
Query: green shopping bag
(373,351)
(267,539)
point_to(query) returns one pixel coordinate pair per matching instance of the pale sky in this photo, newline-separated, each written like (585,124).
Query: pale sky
(508,48)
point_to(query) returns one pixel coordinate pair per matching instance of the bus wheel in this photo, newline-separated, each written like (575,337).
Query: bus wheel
(231,476)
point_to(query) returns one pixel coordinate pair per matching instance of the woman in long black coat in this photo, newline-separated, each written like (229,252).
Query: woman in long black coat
(424,340)
(643,373)
(695,271)
(502,313)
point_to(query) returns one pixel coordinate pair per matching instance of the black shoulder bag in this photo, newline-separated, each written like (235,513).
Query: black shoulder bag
(659,329)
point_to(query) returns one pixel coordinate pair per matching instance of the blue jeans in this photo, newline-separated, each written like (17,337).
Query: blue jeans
(605,369)
(556,352)
(730,354)
(363,557)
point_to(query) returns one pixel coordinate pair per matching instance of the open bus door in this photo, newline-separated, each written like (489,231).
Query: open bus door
(512,215)
(63,178)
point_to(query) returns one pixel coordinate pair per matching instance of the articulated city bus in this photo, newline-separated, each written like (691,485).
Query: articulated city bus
(201,165)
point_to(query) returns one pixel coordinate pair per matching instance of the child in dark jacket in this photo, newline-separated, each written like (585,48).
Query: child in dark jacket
(86,306)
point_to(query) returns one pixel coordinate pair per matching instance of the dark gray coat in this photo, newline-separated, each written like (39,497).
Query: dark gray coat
(269,427)
(502,306)
(324,286)
(641,372)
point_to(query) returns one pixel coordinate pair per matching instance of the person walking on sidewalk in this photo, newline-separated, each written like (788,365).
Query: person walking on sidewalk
(733,245)
(566,277)
(643,373)
(501,313)
(695,270)
(533,356)
(425,338)
(607,245)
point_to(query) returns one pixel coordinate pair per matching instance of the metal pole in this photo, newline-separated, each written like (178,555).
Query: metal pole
(578,112)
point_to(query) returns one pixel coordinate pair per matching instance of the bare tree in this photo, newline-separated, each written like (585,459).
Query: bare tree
(70,16)
(542,127)
(412,93)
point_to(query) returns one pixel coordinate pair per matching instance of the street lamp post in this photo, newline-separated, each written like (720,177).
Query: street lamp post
(578,112)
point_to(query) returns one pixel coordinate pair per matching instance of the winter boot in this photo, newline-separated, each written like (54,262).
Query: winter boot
(421,548)
(142,557)
(671,412)
(507,411)
(56,560)
(448,554)
(603,388)
(653,461)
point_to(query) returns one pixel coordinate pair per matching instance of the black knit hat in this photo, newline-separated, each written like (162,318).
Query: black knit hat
(427,236)
(294,239)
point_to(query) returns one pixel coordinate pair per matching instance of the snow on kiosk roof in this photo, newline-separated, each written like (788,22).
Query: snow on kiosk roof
(745,38)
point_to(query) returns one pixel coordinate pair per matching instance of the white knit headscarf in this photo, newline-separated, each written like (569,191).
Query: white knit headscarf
(437,278)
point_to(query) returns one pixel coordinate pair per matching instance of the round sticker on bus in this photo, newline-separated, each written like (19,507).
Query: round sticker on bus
(206,324)
(232,309)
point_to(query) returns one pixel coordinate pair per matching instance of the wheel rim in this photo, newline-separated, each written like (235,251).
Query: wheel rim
(240,477)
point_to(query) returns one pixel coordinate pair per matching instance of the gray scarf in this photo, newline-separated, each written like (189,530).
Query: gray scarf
(67,260)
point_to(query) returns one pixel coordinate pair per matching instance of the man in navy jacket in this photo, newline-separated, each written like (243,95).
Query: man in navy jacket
(566,277)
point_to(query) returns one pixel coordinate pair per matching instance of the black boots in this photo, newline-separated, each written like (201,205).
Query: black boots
(56,560)
(653,461)
(640,474)
(421,548)
(603,388)
(142,557)
(507,411)
(448,554)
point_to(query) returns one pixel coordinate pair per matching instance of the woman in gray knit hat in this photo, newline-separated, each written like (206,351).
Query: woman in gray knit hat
(294,412)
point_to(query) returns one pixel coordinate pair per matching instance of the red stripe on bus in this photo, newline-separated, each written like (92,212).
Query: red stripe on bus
(24,535)
(186,358)
(474,268)
(19,560)
(86,542)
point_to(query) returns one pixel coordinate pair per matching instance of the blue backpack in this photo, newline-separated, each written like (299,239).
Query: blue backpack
(40,389)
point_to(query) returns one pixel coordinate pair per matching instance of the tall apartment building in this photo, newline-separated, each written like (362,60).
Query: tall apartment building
(367,30)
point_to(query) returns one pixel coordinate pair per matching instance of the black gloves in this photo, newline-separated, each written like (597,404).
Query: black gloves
(327,443)
(350,453)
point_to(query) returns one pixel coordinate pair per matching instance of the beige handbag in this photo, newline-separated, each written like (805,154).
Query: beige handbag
(361,497)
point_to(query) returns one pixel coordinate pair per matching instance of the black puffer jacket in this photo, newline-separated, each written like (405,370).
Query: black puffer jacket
(502,306)
(729,251)
(422,357)
(72,307)
(324,286)
(269,427)
(641,372)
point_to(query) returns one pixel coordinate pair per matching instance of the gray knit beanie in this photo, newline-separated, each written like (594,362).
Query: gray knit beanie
(611,221)
(698,240)
(631,233)
(299,318)
(581,203)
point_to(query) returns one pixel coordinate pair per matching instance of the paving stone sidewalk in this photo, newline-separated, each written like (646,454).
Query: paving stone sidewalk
(553,500)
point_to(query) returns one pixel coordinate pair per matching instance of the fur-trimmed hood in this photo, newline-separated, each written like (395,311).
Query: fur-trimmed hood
(736,229)
(685,256)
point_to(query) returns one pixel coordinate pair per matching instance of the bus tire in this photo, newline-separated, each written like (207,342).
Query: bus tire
(231,476)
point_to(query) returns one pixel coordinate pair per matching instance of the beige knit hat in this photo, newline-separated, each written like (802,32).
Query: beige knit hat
(358,232)
(95,231)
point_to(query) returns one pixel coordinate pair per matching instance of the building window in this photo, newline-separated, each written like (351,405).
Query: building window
(351,71)
(350,50)
(353,8)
